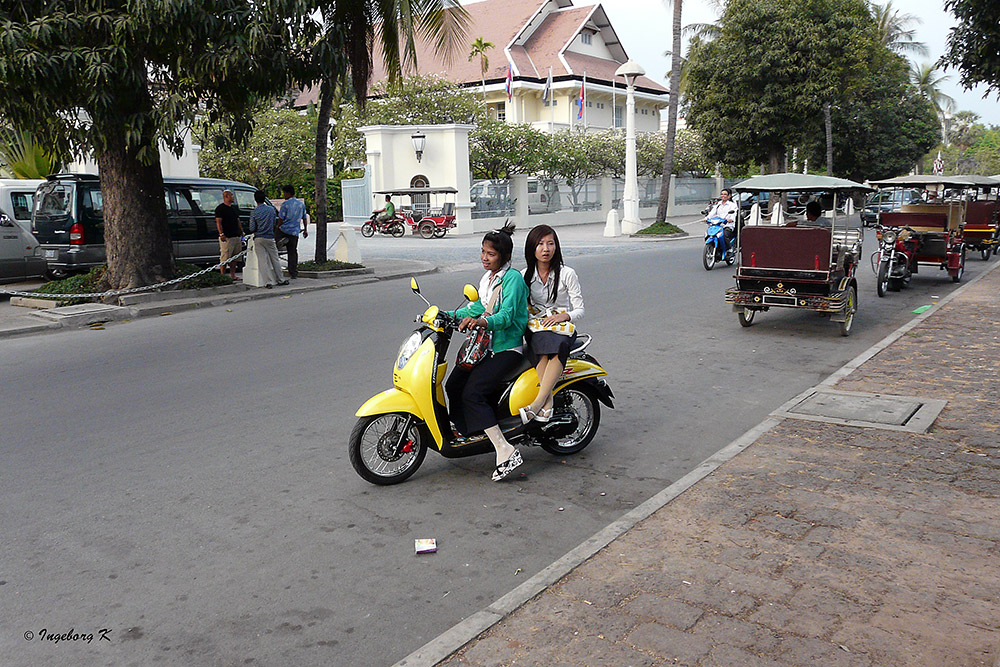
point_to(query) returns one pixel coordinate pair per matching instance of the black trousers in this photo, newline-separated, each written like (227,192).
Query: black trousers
(472,393)
(292,248)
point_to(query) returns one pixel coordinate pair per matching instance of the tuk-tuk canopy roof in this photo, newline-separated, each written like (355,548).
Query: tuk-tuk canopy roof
(418,191)
(981,181)
(796,183)
(923,180)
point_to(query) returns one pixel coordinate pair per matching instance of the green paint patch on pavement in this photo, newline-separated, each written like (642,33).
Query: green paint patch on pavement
(922,309)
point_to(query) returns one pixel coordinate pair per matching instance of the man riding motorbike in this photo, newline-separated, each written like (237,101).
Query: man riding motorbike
(725,209)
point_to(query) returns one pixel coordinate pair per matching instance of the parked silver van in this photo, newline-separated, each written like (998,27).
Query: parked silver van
(20,256)
(68,219)
(17,196)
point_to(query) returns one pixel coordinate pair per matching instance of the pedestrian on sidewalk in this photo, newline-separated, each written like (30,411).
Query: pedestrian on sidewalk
(262,221)
(291,219)
(555,302)
(227,221)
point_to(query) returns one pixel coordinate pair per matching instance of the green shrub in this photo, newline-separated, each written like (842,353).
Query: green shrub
(210,279)
(330,265)
(662,228)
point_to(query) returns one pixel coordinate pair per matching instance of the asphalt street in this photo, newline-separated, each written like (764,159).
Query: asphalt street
(184,481)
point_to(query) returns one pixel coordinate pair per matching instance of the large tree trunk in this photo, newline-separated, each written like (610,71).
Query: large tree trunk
(136,237)
(774,160)
(828,123)
(675,94)
(319,168)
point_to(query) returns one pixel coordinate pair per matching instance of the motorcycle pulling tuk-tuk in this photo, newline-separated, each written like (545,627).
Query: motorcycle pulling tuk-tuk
(425,215)
(786,260)
(934,224)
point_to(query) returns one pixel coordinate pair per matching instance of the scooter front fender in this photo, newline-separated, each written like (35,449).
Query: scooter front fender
(390,400)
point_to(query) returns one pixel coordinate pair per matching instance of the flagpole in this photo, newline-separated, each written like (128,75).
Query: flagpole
(584,100)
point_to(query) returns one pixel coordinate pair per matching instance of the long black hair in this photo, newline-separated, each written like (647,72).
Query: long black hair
(502,241)
(555,265)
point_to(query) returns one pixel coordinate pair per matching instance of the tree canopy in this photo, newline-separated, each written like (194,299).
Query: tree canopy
(758,87)
(974,44)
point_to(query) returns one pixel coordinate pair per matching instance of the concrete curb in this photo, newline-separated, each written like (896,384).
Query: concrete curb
(174,302)
(453,639)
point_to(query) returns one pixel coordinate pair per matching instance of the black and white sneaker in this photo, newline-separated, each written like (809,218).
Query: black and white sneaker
(508,466)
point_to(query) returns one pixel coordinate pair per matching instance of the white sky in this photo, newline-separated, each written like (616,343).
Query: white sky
(644,29)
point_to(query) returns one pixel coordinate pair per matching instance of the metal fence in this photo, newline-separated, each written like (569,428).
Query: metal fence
(491,199)
(694,190)
(546,195)
(357,198)
(649,191)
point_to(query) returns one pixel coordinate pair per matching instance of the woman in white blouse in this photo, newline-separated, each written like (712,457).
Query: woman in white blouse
(554,296)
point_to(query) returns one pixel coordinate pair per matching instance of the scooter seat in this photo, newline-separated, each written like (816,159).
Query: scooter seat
(517,370)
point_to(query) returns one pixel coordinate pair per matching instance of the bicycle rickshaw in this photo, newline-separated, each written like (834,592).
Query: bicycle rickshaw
(424,215)
(786,261)
(935,222)
(981,231)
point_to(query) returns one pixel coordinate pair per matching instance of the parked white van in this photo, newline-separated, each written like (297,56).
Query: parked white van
(20,255)
(17,196)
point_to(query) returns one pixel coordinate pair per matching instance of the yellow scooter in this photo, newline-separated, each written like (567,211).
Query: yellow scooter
(397,426)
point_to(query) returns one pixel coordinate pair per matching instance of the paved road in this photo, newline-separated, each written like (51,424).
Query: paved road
(184,480)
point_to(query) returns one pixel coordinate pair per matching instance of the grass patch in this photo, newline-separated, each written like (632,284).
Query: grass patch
(90,282)
(330,265)
(662,228)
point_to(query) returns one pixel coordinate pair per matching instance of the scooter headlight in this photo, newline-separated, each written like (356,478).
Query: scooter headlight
(407,349)
(889,237)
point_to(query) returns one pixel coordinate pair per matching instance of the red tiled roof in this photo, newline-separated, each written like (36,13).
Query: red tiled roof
(604,70)
(551,36)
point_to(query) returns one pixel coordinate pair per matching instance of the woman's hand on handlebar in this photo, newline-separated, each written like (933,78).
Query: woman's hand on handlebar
(468,322)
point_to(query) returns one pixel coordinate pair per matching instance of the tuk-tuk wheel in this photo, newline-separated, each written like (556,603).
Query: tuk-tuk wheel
(852,307)
(426,230)
(985,253)
(746,316)
(440,232)
(957,278)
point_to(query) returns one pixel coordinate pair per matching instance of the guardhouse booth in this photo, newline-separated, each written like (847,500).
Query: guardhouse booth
(415,156)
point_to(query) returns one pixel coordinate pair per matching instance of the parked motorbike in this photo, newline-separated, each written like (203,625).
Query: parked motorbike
(393,226)
(893,261)
(396,427)
(717,247)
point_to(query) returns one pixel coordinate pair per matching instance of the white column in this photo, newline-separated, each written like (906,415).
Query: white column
(630,217)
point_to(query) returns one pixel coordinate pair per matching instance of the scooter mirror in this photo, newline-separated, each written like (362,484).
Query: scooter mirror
(471,293)
(414,286)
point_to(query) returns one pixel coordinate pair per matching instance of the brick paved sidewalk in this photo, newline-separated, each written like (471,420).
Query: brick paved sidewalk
(818,545)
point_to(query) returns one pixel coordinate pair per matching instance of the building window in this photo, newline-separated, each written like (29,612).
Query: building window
(586,38)
(619,114)
(500,111)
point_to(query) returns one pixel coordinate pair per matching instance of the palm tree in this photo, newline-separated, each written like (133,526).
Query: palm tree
(675,94)
(351,30)
(927,80)
(479,48)
(22,157)
(894,29)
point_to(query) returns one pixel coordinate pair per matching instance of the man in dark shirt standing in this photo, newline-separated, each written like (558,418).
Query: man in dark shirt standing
(227,220)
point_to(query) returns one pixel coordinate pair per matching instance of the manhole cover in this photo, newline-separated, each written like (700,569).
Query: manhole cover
(853,408)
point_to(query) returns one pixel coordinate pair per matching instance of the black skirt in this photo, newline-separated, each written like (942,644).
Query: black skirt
(547,343)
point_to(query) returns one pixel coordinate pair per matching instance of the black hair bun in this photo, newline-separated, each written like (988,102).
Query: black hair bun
(508,229)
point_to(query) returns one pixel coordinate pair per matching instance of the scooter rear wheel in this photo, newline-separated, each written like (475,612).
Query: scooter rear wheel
(375,452)
(580,402)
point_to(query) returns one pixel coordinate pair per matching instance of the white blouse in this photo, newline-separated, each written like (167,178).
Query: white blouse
(569,298)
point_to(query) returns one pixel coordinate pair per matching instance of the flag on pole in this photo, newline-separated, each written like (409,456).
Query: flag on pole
(938,165)
(547,91)
(510,83)
(583,96)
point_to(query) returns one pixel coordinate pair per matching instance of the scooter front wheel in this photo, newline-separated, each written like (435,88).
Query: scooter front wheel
(387,449)
(708,257)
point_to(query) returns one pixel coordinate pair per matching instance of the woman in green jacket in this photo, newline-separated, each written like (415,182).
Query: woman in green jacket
(471,392)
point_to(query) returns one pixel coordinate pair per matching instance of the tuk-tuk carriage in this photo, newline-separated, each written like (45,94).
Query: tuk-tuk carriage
(786,260)
(425,215)
(935,222)
(981,231)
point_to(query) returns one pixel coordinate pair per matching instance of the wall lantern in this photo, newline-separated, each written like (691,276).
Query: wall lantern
(419,140)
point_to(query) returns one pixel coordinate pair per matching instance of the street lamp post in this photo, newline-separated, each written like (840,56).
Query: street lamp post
(630,218)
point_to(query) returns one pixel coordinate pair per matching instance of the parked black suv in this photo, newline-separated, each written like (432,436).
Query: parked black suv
(68,219)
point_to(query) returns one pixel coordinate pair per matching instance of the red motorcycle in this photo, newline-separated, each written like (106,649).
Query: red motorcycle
(393,226)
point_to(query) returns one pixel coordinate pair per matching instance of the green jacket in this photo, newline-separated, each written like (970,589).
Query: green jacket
(510,315)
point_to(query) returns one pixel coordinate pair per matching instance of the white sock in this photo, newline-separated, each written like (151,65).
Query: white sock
(504,449)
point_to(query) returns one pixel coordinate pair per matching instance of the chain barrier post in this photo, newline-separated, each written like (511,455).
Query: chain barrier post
(62,296)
